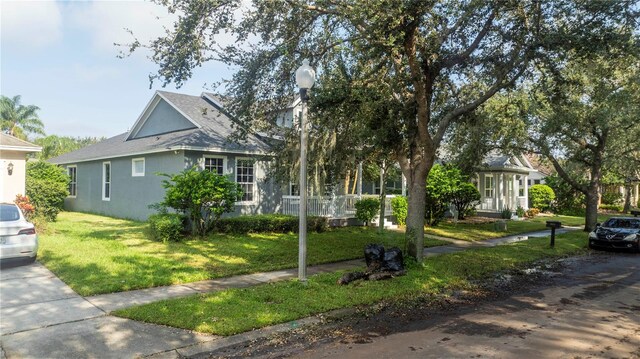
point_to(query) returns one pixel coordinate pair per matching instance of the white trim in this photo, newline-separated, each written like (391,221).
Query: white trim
(174,148)
(144,116)
(224,162)
(104,181)
(76,167)
(20,148)
(492,188)
(133,167)
(255,180)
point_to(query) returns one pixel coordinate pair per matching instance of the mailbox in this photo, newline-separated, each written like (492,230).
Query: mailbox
(553,225)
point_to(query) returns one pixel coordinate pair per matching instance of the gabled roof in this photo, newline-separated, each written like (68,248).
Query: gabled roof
(10,143)
(496,161)
(212,132)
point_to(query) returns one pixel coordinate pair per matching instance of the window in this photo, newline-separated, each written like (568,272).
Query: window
(106,181)
(488,185)
(72,171)
(245,178)
(214,164)
(536,181)
(137,167)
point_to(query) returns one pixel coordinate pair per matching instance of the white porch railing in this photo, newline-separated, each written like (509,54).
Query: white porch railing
(487,204)
(339,206)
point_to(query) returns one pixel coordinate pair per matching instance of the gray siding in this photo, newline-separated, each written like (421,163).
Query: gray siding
(164,118)
(130,196)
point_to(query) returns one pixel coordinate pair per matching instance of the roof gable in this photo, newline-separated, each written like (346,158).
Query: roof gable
(160,116)
(11,143)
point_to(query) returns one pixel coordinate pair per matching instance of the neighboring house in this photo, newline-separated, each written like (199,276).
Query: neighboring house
(542,169)
(118,176)
(503,182)
(13,168)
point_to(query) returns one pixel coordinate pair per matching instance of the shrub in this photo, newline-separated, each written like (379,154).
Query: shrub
(441,183)
(609,198)
(399,208)
(611,207)
(268,223)
(506,213)
(166,227)
(367,209)
(25,206)
(520,212)
(540,196)
(532,212)
(569,201)
(46,187)
(202,195)
(464,197)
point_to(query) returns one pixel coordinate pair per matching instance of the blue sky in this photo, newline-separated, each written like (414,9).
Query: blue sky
(59,56)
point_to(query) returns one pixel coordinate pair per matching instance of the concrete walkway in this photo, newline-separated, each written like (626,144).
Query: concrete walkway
(41,317)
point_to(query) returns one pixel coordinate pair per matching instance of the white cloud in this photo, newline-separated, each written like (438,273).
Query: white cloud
(30,25)
(106,22)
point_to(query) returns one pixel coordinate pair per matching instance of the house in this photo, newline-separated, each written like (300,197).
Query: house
(13,166)
(503,182)
(118,176)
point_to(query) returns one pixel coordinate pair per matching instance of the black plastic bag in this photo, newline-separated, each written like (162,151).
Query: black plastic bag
(393,260)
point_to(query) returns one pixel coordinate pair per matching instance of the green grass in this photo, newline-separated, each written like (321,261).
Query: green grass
(477,232)
(238,310)
(95,254)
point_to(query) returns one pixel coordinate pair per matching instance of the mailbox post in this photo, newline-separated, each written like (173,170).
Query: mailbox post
(553,225)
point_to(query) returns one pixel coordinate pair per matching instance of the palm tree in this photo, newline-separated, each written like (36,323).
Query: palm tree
(18,120)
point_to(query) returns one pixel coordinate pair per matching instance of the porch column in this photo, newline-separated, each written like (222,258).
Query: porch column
(496,202)
(525,183)
(515,191)
(360,179)
(500,191)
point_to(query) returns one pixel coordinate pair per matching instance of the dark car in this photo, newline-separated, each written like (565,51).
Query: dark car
(617,233)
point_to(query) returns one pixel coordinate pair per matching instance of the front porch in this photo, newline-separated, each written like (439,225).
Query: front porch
(335,206)
(502,190)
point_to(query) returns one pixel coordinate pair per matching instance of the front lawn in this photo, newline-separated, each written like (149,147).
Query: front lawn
(95,254)
(481,231)
(238,310)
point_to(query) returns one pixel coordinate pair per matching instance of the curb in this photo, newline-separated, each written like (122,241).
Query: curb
(225,342)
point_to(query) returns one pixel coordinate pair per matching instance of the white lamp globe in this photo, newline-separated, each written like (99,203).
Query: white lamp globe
(305,75)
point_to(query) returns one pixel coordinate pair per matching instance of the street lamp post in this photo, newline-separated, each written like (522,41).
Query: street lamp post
(305,76)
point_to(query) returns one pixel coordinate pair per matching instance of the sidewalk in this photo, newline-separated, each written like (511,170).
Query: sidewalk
(42,317)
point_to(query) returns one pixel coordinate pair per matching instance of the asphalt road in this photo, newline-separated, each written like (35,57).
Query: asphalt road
(590,310)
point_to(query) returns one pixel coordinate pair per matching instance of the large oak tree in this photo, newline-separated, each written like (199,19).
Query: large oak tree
(438,60)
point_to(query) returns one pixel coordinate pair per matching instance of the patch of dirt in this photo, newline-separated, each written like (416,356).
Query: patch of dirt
(412,314)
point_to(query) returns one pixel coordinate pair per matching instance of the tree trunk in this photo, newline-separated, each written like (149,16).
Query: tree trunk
(627,197)
(414,241)
(592,198)
(382,198)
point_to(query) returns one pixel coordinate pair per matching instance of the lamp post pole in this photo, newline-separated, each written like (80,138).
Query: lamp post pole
(305,76)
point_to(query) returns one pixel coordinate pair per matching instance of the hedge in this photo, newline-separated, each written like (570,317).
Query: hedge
(268,223)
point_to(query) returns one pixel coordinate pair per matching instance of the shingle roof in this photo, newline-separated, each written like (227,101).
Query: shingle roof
(214,135)
(8,142)
(495,160)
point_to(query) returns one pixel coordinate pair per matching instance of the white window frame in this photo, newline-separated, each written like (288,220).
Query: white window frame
(73,183)
(490,188)
(254,182)
(133,167)
(223,158)
(104,181)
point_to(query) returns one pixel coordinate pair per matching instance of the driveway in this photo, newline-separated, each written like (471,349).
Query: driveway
(41,317)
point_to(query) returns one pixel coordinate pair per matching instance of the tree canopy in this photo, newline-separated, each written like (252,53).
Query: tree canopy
(420,66)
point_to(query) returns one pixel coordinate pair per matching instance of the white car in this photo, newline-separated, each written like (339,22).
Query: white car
(18,238)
